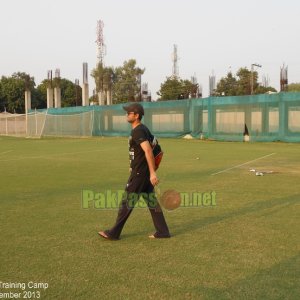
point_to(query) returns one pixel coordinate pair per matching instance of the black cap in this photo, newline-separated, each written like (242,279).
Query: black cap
(134,107)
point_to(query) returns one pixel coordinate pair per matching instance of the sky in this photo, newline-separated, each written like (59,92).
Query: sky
(212,37)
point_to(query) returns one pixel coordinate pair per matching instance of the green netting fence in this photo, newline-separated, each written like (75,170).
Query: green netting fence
(274,117)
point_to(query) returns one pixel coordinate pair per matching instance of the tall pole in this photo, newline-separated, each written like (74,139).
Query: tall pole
(101,52)
(76,92)
(175,73)
(57,90)
(283,79)
(85,86)
(252,76)
(252,79)
(49,90)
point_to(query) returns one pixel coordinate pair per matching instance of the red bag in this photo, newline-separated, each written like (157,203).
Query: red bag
(157,152)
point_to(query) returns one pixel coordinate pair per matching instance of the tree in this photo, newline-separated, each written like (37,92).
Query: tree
(127,82)
(70,93)
(124,82)
(190,89)
(241,84)
(103,77)
(170,89)
(227,86)
(244,81)
(41,90)
(265,89)
(174,89)
(294,87)
(12,91)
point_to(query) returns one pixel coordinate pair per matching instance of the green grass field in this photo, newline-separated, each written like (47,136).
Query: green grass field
(245,247)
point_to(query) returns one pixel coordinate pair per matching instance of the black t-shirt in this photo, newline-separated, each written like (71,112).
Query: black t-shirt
(138,162)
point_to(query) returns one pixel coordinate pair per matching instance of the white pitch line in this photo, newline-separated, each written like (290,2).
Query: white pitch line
(248,162)
(2,153)
(49,156)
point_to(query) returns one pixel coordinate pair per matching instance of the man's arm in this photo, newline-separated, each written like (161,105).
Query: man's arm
(150,160)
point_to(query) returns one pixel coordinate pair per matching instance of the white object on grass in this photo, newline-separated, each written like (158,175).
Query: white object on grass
(248,162)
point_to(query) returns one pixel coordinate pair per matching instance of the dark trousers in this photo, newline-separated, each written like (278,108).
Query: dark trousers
(139,184)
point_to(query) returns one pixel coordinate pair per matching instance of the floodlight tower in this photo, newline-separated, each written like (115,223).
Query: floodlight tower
(175,72)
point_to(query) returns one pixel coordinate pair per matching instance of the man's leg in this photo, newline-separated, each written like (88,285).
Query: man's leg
(123,214)
(134,185)
(138,184)
(162,230)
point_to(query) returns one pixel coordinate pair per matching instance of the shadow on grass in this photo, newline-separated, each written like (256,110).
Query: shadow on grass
(281,281)
(194,224)
(128,235)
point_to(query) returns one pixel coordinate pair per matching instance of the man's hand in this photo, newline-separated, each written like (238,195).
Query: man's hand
(154,179)
(150,160)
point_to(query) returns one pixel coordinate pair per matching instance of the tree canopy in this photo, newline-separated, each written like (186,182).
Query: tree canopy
(240,84)
(294,87)
(123,81)
(103,77)
(12,91)
(174,89)
(71,94)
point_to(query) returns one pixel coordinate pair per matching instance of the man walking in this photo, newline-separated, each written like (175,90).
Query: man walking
(142,178)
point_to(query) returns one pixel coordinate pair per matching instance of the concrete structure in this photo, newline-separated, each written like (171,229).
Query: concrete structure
(85,94)
(101,98)
(109,97)
(49,97)
(27,101)
(57,97)
(85,85)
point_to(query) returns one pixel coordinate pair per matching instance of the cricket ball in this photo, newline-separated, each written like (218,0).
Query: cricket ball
(170,199)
